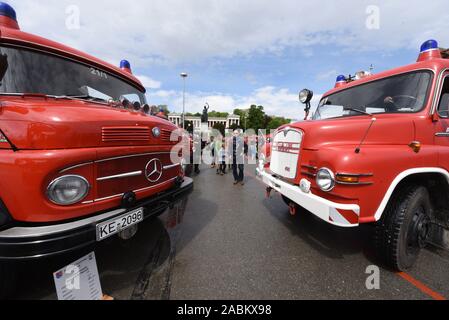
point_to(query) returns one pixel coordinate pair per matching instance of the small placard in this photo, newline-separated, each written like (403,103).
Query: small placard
(79,280)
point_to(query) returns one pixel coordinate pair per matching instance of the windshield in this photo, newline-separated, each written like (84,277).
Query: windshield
(33,72)
(399,94)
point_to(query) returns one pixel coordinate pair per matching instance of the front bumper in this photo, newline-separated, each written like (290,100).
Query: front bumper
(34,242)
(341,215)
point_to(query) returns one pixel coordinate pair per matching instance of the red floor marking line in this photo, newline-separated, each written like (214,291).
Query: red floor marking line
(421,286)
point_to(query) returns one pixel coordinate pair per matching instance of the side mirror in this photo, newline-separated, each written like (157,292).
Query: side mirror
(3,65)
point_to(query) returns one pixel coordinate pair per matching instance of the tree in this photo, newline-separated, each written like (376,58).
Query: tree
(220,127)
(216,114)
(189,126)
(234,127)
(242,114)
(256,118)
(267,121)
(276,122)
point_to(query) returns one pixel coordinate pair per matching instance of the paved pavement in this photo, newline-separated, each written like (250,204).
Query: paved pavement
(232,243)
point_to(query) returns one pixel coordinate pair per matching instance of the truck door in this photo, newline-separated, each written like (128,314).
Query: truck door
(442,126)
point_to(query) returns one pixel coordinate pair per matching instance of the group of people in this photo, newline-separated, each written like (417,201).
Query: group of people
(231,154)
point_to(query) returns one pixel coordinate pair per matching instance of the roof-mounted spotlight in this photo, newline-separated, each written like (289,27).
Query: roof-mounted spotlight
(125,66)
(8,16)
(429,51)
(146,109)
(305,97)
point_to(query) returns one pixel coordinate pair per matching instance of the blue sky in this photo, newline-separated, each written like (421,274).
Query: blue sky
(241,52)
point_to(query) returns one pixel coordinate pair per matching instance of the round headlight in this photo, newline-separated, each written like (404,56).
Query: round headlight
(68,190)
(325,179)
(305,96)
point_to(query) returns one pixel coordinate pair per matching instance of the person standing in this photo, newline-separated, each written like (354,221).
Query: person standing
(222,160)
(196,152)
(238,158)
(217,146)
(212,151)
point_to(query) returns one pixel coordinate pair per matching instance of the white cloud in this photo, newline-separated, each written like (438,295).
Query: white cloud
(276,101)
(149,83)
(326,75)
(158,31)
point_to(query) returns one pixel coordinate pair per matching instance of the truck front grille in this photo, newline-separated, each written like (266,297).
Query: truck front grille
(125,134)
(285,152)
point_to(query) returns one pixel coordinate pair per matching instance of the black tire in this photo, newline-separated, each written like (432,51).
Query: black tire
(404,228)
(7,280)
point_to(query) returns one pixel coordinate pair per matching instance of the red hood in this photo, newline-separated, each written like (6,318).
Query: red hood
(387,129)
(41,123)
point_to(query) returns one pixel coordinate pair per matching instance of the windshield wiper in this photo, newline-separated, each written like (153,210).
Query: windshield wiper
(84,97)
(359,111)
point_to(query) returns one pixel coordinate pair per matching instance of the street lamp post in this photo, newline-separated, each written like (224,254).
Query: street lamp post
(184,76)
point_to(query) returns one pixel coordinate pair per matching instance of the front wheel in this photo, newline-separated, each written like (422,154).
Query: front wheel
(7,280)
(405,228)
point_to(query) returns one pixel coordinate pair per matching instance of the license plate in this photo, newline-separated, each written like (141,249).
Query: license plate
(109,228)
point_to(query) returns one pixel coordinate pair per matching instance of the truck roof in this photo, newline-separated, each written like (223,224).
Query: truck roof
(18,37)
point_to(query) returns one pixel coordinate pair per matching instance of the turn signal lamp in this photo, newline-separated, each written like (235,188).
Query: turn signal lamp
(8,17)
(429,51)
(347,179)
(125,66)
(341,81)
(416,146)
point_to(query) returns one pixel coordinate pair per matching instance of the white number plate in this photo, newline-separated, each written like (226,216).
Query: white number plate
(116,225)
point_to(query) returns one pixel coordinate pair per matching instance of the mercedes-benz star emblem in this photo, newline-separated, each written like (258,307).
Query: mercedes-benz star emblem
(153,170)
(156,132)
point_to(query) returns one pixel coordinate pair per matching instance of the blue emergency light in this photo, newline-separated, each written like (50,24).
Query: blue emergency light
(7,11)
(126,66)
(429,51)
(341,80)
(429,45)
(8,17)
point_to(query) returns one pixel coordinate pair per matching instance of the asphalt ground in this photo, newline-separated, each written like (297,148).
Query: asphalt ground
(231,242)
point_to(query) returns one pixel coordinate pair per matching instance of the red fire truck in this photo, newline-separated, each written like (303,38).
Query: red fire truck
(80,158)
(376,151)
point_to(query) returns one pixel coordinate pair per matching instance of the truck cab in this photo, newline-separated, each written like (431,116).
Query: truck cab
(80,157)
(376,151)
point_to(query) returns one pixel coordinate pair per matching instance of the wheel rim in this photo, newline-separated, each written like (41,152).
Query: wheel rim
(419,230)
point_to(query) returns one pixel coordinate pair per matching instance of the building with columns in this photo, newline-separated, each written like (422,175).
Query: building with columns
(229,121)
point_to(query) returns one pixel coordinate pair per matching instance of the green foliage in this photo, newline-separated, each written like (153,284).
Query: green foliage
(189,114)
(276,122)
(216,114)
(220,127)
(242,114)
(256,118)
(189,126)
(234,126)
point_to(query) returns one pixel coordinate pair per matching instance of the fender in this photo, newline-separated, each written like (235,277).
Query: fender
(401,177)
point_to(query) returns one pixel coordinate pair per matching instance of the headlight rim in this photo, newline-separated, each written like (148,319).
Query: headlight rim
(332,178)
(54,182)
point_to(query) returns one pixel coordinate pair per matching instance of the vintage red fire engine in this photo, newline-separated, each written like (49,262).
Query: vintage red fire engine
(80,158)
(376,151)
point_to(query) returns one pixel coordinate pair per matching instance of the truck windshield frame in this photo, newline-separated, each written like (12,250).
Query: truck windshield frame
(36,72)
(399,94)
